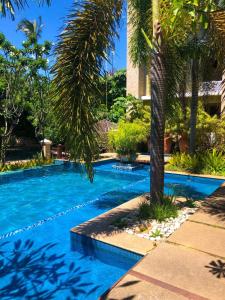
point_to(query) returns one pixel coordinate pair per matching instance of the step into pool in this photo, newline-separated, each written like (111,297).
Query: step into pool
(38,259)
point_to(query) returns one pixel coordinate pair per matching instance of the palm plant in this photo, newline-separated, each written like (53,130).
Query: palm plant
(9,6)
(199,46)
(155,40)
(158,95)
(39,81)
(32,29)
(80,52)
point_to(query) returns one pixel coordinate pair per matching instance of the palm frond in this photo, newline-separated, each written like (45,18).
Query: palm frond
(11,5)
(31,28)
(80,53)
(139,21)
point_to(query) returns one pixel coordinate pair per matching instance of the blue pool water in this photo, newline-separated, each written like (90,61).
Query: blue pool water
(41,263)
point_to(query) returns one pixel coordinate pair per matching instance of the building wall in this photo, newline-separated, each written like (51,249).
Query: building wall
(138,81)
(136,76)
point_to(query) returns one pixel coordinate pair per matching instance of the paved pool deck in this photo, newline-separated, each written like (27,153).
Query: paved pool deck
(190,264)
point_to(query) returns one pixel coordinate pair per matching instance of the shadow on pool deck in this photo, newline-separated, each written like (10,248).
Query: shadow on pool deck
(217,268)
(193,256)
(215,204)
(101,224)
(37,272)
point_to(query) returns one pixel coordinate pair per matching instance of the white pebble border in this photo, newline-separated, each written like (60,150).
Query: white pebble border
(158,231)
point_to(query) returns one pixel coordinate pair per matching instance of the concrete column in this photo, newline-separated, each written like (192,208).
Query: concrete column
(46,148)
(59,151)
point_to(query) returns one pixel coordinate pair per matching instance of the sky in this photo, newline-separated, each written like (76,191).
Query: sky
(53,19)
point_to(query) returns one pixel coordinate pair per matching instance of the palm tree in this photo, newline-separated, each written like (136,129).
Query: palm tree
(158,92)
(9,6)
(32,29)
(33,32)
(80,53)
(201,42)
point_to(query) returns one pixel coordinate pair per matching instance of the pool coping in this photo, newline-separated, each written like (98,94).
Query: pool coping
(92,230)
(89,229)
(175,289)
(99,229)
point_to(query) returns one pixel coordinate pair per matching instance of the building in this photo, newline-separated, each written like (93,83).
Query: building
(211,92)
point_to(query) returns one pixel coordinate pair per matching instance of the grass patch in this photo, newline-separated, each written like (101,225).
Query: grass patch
(159,211)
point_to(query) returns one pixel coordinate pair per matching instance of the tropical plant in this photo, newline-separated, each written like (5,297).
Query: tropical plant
(13,91)
(39,104)
(118,109)
(35,162)
(210,132)
(209,162)
(126,138)
(32,29)
(112,86)
(9,6)
(80,54)
(125,108)
(214,162)
(184,162)
(159,211)
(156,234)
(200,45)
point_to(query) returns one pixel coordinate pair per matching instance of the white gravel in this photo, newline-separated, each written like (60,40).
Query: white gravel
(157,231)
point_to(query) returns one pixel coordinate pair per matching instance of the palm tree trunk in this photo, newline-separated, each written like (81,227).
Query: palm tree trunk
(223,94)
(194,104)
(157,109)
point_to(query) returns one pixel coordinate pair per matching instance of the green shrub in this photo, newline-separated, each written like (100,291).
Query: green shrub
(184,162)
(159,211)
(213,163)
(210,162)
(126,138)
(167,209)
(144,210)
(156,234)
(35,162)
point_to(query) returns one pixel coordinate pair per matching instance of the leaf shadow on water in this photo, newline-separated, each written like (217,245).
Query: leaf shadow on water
(183,190)
(30,272)
(114,198)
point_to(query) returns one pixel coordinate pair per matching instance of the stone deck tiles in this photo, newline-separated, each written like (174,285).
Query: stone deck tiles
(132,287)
(189,265)
(187,270)
(202,237)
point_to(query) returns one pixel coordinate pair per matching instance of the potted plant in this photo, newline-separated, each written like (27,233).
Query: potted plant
(125,140)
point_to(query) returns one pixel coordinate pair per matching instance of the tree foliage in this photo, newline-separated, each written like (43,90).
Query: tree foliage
(81,50)
(10,6)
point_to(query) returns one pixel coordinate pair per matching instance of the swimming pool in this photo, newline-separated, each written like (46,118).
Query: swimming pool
(39,263)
